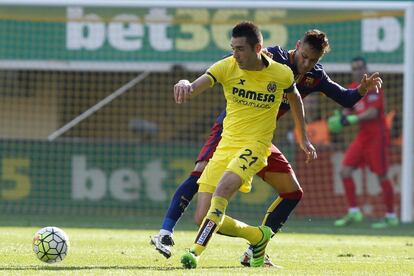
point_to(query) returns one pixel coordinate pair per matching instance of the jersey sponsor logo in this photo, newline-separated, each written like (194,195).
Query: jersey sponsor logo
(205,235)
(271,87)
(252,104)
(253,95)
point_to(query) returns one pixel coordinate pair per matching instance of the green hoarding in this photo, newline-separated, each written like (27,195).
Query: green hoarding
(99,178)
(186,35)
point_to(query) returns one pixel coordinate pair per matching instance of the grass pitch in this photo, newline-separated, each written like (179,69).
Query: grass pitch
(121,247)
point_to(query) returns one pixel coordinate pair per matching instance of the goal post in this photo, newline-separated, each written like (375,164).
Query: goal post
(408,124)
(55,65)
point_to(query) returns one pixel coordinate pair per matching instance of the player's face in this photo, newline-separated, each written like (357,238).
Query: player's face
(245,55)
(358,70)
(306,57)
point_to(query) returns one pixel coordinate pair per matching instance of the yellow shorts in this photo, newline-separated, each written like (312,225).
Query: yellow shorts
(244,161)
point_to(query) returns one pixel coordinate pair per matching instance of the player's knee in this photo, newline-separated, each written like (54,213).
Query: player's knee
(283,182)
(299,193)
(295,195)
(295,186)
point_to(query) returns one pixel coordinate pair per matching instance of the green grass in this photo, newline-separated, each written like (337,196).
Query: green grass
(120,247)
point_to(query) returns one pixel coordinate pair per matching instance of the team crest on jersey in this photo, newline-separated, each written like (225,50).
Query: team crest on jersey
(271,87)
(309,81)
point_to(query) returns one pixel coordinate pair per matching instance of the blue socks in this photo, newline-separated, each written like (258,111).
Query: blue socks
(182,197)
(280,209)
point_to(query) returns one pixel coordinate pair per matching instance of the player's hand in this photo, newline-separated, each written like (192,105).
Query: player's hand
(309,150)
(267,53)
(371,83)
(182,91)
(334,122)
(337,121)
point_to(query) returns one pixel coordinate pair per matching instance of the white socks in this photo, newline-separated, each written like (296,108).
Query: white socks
(164,232)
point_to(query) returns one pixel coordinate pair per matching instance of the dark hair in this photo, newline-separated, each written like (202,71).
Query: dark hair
(248,30)
(359,58)
(318,40)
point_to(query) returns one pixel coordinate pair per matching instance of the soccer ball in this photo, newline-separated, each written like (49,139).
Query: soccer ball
(50,244)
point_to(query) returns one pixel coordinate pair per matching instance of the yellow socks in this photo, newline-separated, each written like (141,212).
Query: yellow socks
(235,228)
(210,224)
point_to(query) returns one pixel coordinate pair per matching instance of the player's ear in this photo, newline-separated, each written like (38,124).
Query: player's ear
(258,48)
(298,43)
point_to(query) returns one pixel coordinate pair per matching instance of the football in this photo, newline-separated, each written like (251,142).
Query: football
(50,244)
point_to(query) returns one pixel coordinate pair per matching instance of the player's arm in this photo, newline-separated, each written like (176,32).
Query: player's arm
(349,97)
(369,114)
(298,113)
(185,90)
(339,120)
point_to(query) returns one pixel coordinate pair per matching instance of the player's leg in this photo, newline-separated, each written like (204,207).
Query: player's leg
(280,175)
(239,173)
(390,218)
(190,258)
(216,219)
(258,237)
(353,158)
(184,194)
(378,162)
(182,197)
(207,185)
(290,193)
(203,203)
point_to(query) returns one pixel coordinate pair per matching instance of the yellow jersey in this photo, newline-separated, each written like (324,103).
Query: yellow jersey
(253,98)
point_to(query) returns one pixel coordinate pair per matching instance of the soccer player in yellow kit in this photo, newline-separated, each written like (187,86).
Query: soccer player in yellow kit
(253,86)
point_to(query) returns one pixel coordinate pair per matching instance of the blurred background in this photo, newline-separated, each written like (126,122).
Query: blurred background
(128,157)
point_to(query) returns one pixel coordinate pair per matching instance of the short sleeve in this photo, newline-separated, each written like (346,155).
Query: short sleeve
(290,89)
(217,72)
(290,80)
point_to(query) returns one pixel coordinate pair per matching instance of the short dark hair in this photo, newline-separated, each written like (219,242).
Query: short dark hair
(359,58)
(248,30)
(318,40)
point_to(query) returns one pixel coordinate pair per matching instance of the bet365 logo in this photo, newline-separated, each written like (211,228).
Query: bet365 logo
(124,184)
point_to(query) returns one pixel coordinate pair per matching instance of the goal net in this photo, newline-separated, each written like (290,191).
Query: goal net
(129,155)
